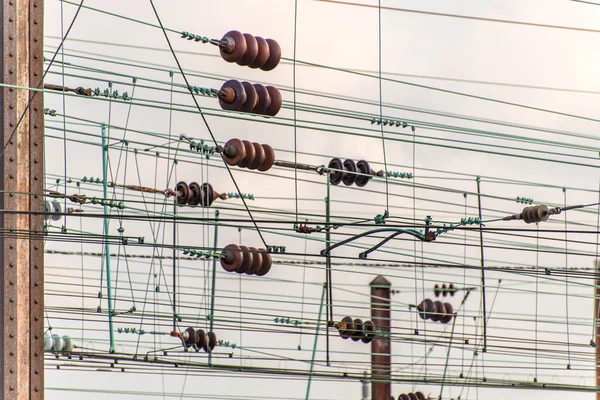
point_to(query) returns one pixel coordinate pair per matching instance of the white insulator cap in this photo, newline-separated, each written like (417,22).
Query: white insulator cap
(57,210)
(68,344)
(48,342)
(58,343)
(49,209)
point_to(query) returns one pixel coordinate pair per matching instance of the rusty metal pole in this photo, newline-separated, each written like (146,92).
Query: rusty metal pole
(381,348)
(22,183)
(596,326)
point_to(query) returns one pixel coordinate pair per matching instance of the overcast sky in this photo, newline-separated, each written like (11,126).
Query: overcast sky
(539,66)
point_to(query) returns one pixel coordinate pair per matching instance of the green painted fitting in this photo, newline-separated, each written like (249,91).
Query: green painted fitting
(402,175)
(196,38)
(49,111)
(524,200)
(463,222)
(247,196)
(287,321)
(380,219)
(223,343)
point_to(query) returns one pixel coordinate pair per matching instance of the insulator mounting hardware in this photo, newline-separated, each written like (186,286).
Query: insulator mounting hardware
(253,98)
(58,344)
(350,172)
(195,194)
(246,154)
(412,396)
(435,311)
(246,260)
(539,213)
(197,338)
(248,50)
(79,90)
(444,290)
(355,329)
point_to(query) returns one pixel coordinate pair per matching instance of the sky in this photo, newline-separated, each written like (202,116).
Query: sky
(441,72)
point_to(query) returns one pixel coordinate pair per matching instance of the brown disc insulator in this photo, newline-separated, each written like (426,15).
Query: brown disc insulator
(256,261)
(542,213)
(335,177)
(195,194)
(263,53)
(403,396)
(412,396)
(182,192)
(269,158)
(444,290)
(232,95)
(420,396)
(438,311)
(251,50)
(369,331)
(436,290)
(350,177)
(274,55)
(358,333)
(202,339)
(452,289)
(447,317)
(232,46)
(526,215)
(276,101)
(250,154)
(212,341)
(264,99)
(232,257)
(425,309)
(247,262)
(234,151)
(346,332)
(267,261)
(189,337)
(251,97)
(364,168)
(208,195)
(260,156)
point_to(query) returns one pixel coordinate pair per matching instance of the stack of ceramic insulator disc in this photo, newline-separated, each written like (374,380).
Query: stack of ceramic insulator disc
(356,329)
(246,154)
(353,170)
(199,338)
(247,97)
(444,290)
(246,260)
(412,396)
(535,214)
(436,311)
(58,344)
(253,51)
(194,194)
(52,210)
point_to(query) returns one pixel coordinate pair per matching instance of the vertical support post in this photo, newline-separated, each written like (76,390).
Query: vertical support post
(22,176)
(312,360)
(214,281)
(596,326)
(484,320)
(329,305)
(106,243)
(381,346)
(174,264)
(36,200)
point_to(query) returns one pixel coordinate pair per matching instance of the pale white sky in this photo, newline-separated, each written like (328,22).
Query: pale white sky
(345,37)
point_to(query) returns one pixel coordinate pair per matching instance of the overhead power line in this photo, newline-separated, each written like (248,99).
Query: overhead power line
(468,17)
